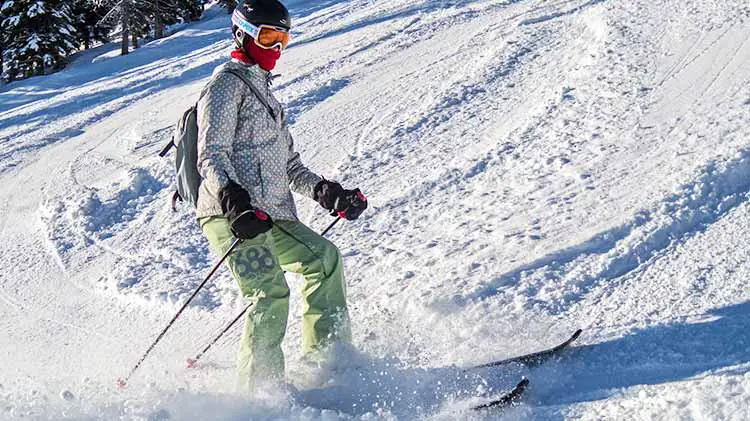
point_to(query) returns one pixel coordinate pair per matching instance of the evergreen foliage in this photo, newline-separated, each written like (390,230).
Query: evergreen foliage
(190,10)
(86,17)
(139,18)
(39,36)
(9,10)
(228,4)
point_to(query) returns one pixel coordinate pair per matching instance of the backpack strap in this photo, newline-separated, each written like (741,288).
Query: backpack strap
(249,84)
(254,89)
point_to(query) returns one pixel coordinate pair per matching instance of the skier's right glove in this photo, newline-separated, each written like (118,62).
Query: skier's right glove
(353,203)
(347,204)
(245,221)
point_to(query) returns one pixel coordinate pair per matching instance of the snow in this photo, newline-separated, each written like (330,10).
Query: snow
(32,43)
(11,21)
(532,167)
(36,9)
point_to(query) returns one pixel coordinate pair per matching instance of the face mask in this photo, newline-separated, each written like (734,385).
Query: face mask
(266,59)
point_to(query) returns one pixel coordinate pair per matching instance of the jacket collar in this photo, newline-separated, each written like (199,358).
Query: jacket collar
(239,57)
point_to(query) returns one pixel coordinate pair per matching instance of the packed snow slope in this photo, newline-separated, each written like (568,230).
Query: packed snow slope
(532,167)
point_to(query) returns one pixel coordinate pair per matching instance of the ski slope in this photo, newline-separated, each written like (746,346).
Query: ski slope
(532,167)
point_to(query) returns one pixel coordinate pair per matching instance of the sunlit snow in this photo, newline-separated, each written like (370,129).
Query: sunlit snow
(533,167)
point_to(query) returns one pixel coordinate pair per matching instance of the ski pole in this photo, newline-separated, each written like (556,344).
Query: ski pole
(191,361)
(123,382)
(325,231)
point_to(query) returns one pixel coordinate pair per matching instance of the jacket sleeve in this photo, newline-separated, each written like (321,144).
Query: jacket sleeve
(217,124)
(301,180)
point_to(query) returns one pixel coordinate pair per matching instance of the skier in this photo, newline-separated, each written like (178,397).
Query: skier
(249,167)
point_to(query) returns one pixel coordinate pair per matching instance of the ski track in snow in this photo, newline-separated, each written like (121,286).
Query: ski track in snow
(532,167)
(623,249)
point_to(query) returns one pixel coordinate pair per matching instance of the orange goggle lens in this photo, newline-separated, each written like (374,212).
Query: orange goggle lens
(270,37)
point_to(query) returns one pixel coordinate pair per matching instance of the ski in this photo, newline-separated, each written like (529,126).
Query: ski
(507,399)
(532,359)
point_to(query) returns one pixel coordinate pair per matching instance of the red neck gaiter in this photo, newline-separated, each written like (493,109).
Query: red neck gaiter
(266,59)
(241,56)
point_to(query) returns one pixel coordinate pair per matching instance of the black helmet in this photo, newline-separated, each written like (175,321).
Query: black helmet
(258,12)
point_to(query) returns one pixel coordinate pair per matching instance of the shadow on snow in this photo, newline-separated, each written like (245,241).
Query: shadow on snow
(650,356)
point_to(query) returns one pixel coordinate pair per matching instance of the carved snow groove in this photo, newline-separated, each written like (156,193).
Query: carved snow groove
(557,14)
(720,187)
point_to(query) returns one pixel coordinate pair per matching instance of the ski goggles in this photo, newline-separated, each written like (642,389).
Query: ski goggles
(265,36)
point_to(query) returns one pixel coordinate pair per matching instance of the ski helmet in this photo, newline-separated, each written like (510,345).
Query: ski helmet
(258,12)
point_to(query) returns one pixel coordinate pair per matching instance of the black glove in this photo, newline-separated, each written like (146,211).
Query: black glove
(245,221)
(348,204)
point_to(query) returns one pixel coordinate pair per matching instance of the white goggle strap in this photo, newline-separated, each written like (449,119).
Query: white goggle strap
(246,26)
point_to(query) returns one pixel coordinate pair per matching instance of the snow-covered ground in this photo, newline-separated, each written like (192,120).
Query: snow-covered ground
(532,167)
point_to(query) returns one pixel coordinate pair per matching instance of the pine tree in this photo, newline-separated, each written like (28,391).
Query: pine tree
(118,13)
(8,9)
(137,17)
(3,42)
(190,10)
(164,12)
(86,17)
(228,4)
(39,37)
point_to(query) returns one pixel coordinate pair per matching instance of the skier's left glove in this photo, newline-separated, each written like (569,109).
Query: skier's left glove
(348,204)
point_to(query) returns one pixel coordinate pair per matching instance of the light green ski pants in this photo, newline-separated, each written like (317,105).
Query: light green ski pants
(258,265)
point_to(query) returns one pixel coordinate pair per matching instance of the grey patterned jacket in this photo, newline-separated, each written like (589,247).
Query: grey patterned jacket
(239,139)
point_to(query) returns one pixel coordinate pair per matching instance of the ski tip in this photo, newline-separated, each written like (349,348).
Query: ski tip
(190,363)
(121,383)
(507,400)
